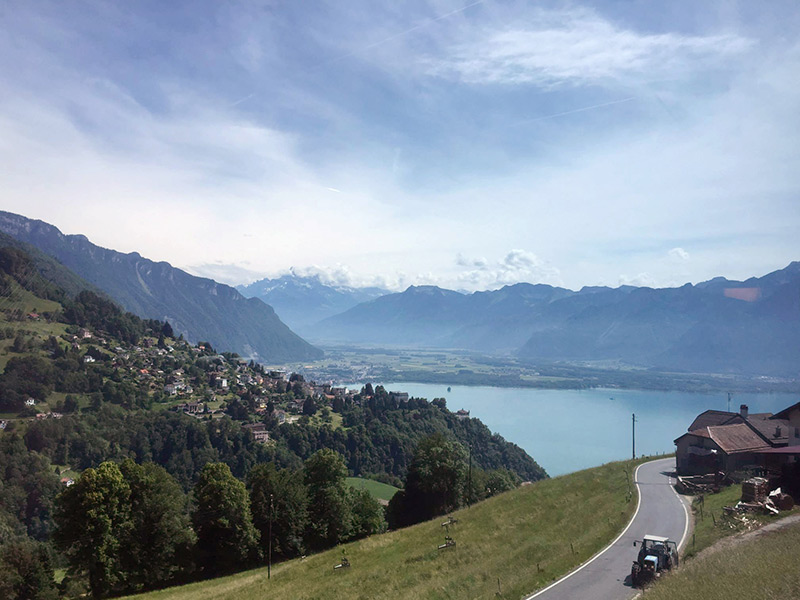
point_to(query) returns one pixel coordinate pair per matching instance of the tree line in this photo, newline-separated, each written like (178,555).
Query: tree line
(381,432)
(127,527)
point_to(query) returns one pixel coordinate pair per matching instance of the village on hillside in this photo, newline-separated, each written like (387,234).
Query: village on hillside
(194,379)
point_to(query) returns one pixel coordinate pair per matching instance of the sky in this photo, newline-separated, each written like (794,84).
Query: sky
(467,144)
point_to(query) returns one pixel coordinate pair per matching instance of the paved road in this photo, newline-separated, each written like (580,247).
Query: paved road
(606,577)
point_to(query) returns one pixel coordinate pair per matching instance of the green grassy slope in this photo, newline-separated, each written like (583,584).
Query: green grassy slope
(20,299)
(763,567)
(525,539)
(378,490)
(49,268)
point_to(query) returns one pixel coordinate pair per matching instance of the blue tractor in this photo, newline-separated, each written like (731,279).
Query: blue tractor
(656,555)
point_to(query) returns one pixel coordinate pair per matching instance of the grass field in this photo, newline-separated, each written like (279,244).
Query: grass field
(518,542)
(22,299)
(378,490)
(764,567)
(26,302)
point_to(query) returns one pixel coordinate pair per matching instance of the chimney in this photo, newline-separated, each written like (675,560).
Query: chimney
(743,411)
(777,431)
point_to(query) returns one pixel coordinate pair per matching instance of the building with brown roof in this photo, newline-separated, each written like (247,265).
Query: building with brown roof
(725,441)
(711,418)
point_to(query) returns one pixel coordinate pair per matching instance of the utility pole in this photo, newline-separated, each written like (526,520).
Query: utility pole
(729,402)
(269,553)
(633,434)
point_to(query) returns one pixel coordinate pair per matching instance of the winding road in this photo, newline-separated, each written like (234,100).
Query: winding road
(605,576)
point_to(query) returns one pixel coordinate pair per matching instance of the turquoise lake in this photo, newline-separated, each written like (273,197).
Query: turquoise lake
(569,430)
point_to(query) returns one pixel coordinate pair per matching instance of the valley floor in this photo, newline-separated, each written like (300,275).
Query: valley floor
(453,367)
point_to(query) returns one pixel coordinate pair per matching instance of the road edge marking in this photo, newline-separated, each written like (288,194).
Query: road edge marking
(685,537)
(616,539)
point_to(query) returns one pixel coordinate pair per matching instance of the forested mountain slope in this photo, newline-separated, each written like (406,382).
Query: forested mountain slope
(199,308)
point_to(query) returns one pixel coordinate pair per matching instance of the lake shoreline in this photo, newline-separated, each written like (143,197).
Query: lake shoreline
(569,430)
(704,384)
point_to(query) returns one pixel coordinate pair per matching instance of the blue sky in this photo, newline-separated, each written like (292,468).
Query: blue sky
(467,144)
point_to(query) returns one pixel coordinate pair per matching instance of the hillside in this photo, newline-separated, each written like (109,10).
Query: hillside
(301,302)
(200,309)
(87,389)
(49,268)
(88,348)
(519,540)
(719,326)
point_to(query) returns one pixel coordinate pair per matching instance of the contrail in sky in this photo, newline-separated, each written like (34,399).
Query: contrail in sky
(577,110)
(240,100)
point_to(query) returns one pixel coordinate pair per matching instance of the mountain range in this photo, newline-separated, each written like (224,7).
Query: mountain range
(719,326)
(199,308)
(303,301)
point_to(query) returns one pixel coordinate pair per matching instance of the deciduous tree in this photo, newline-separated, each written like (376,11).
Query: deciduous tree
(435,482)
(226,538)
(330,517)
(92,517)
(282,493)
(26,572)
(161,539)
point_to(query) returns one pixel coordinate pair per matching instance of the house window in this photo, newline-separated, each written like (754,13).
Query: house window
(797,432)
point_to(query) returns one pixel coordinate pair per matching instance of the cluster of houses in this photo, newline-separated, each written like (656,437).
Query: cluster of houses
(728,441)
(324,394)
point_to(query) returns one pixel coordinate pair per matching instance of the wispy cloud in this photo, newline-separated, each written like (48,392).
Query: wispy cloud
(515,267)
(640,280)
(226,273)
(577,47)
(679,254)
